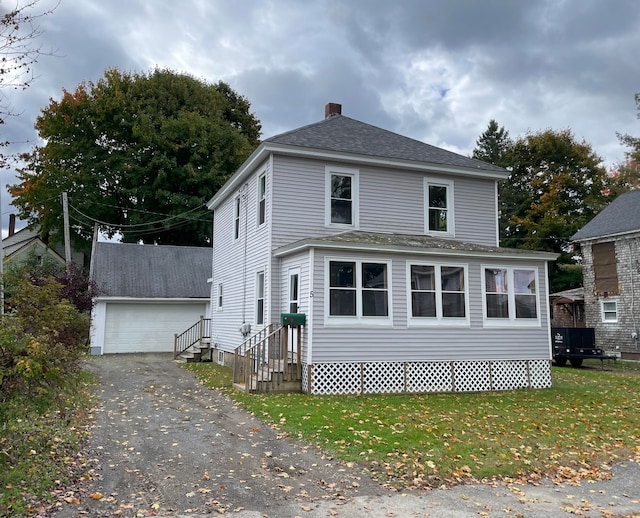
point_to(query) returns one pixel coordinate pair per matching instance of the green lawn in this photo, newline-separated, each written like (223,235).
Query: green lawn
(576,429)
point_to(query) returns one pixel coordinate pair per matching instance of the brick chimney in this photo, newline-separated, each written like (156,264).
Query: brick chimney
(332,109)
(12,224)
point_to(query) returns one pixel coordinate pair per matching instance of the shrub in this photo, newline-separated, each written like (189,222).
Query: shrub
(42,338)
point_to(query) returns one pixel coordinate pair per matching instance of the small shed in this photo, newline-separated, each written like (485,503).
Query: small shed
(567,308)
(146,295)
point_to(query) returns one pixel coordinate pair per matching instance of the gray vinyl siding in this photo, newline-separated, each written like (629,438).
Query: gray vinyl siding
(389,201)
(402,342)
(476,211)
(236,263)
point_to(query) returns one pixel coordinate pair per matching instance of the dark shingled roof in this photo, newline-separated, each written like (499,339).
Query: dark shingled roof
(340,133)
(621,216)
(409,243)
(148,271)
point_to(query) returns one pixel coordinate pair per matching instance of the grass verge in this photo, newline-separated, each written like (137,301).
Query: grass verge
(574,430)
(40,440)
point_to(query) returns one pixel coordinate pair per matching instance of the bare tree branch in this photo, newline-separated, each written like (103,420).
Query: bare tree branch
(19,51)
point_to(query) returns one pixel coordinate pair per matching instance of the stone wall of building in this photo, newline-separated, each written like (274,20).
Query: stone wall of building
(619,335)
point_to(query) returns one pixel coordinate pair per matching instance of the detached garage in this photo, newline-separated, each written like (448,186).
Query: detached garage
(146,295)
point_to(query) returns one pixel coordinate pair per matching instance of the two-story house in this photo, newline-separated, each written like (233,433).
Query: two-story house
(610,245)
(389,246)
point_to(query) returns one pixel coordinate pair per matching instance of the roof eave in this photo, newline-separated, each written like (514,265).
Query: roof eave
(634,233)
(133,298)
(266,148)
(375,247)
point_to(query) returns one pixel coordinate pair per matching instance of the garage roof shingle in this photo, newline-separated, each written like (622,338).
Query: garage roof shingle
(148,271)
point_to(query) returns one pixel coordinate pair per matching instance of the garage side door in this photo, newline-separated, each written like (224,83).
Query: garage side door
(144,327)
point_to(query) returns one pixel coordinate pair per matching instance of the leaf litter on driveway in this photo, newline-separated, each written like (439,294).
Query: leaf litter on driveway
(163,445)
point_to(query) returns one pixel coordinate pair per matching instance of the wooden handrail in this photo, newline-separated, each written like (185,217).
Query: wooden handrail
(268,358)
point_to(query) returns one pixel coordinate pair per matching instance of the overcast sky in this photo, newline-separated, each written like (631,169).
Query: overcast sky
(433,70)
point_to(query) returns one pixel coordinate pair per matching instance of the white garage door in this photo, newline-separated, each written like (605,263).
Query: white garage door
(145,327)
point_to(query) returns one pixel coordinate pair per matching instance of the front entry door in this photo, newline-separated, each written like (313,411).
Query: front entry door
(294,290)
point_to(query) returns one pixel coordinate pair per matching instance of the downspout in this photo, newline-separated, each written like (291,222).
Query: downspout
(634,332)
(310,321)
(547,303)
(245,328)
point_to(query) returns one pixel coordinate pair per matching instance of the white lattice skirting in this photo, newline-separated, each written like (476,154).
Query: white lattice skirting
(423,377)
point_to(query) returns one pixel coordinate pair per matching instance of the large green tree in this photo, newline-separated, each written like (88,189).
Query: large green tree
(494,145)
(137,153)
(556,186)
(627,175)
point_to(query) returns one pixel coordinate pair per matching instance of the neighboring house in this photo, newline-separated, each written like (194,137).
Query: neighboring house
(19,247)
(567,308)
(610,245)
(390,248)
(146,294)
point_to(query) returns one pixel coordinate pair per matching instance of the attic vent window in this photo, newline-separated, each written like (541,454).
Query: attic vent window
(604,268)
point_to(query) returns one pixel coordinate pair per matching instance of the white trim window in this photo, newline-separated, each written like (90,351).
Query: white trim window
(262,199)
(438,207)
(609,311)
(358,291)
(510,296)
(236,217)
(219,297)
(260,298)
(341,198)
(438,294)
(294,290)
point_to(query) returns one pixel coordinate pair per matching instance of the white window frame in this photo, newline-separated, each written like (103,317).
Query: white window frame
(260,296)
(448,184)
(439,319)
(604,311)
(355,189)
(220,297)
(511,321)
(261,209)
(358,319)
(290,299)
(237,203)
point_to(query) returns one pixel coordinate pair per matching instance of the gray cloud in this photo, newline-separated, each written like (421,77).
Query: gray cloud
(432,70)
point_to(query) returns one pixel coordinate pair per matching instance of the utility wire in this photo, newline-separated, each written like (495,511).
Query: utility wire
(137,225)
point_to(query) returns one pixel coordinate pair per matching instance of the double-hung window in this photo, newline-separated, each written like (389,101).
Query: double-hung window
(220,297)
(260,298)
(609,311)
(438,294)
(510,296)
(262,199)
(358,291)
(236,218)
(341,207)
(438,217)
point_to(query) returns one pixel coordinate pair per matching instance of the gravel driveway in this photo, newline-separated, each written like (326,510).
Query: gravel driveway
(163,445)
